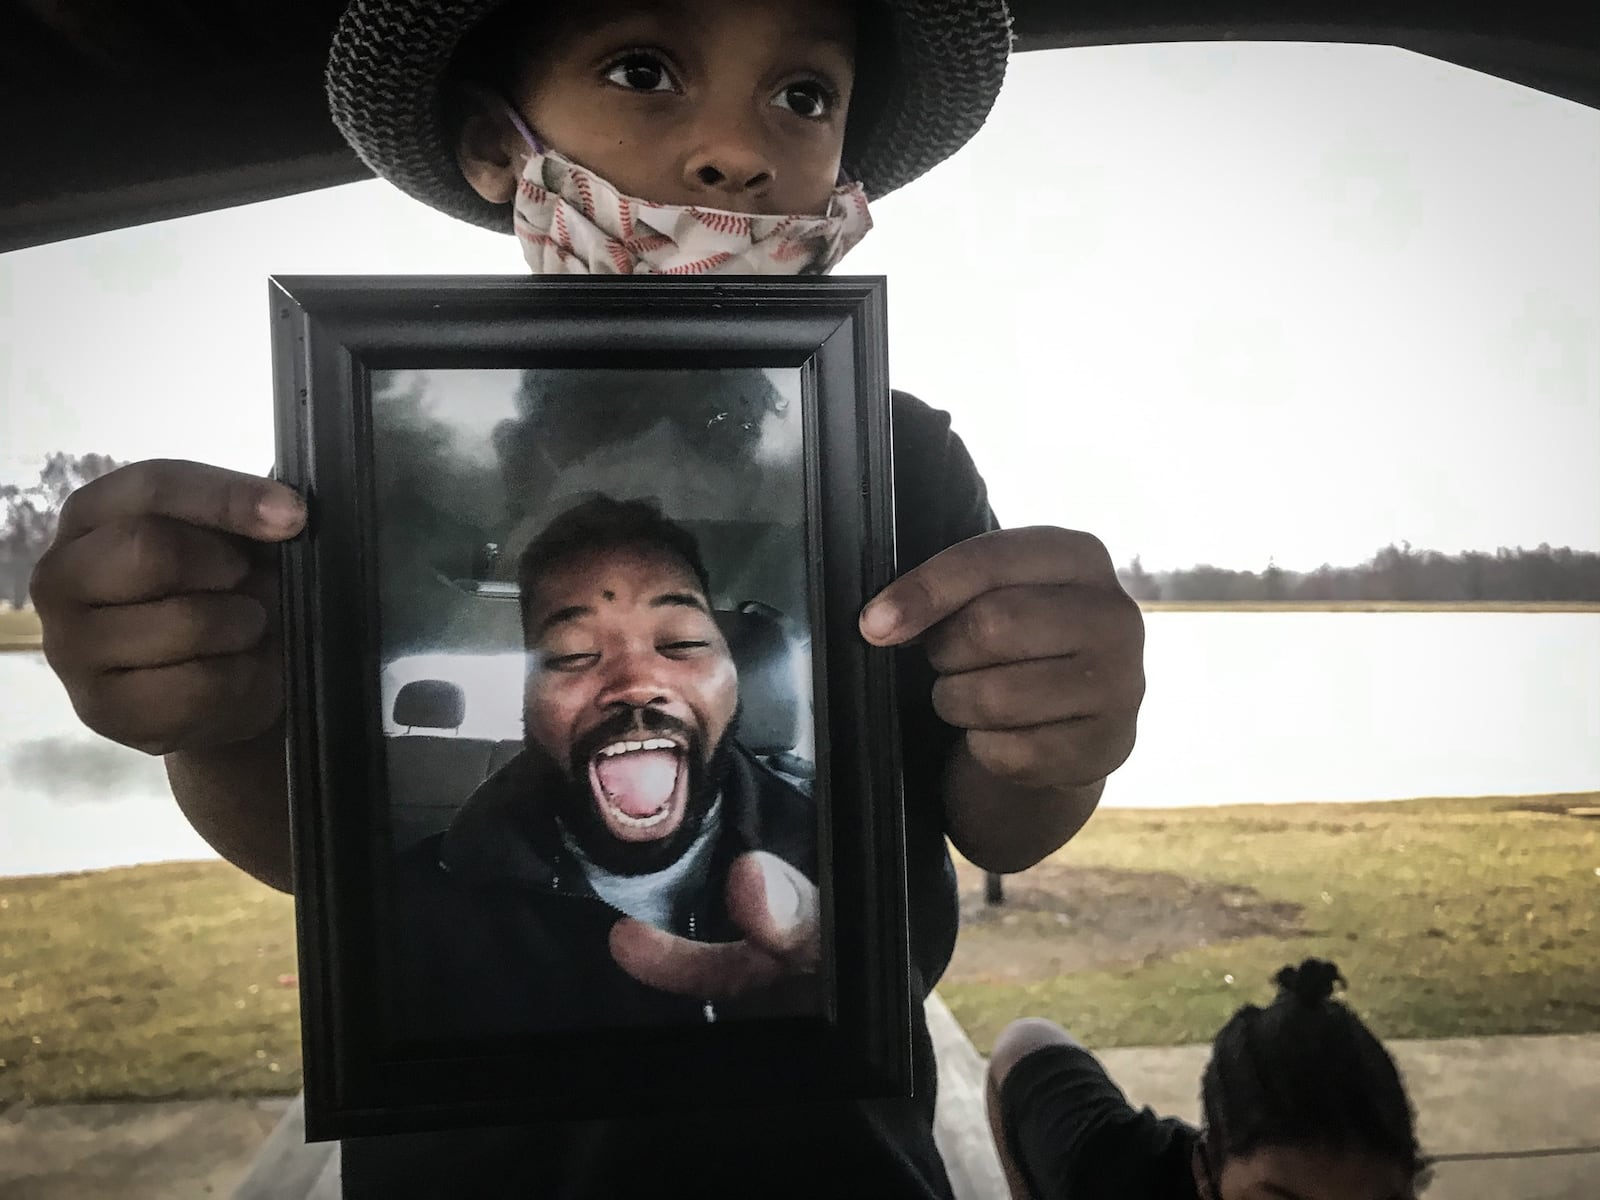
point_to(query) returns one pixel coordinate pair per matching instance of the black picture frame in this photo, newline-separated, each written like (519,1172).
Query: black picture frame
(330,335)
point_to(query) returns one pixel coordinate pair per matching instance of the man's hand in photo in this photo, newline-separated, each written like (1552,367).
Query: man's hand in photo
(776,907)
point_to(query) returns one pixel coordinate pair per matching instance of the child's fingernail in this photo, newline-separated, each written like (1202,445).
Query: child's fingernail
(880,619)
(281,509)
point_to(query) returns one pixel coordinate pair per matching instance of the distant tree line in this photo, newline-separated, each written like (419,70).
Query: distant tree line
(1393,573)
(30,514)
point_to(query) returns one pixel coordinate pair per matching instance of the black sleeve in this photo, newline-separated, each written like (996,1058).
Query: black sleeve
(1074,1136)
(940,500)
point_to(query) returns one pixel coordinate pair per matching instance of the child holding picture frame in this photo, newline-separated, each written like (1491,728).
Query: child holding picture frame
(701,136)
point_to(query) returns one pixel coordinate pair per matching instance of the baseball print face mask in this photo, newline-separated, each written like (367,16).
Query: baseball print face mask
(572,222)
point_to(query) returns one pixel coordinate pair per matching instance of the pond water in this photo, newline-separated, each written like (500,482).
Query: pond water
(1242,708)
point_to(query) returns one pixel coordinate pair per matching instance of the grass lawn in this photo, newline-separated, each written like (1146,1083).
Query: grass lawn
(19,629)
(1450,916)
(148,982)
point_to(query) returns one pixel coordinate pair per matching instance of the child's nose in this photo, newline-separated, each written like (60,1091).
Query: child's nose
(730,178)
(731,162)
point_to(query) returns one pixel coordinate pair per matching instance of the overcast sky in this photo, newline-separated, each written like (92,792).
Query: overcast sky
(1213,303)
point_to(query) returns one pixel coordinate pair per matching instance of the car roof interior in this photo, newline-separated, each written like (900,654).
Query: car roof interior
(121,112)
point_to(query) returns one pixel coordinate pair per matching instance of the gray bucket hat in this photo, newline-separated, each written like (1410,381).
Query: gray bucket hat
(930,82)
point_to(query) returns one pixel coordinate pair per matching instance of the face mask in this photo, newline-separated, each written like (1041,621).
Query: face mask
(572,222)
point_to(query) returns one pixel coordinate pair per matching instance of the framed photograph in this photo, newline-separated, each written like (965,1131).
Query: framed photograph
(594,783)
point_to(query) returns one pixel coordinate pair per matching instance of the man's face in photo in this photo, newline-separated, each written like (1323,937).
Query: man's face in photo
(632,692)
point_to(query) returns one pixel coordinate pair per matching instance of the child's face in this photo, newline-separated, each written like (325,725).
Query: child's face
(731,104)
(1309,1173)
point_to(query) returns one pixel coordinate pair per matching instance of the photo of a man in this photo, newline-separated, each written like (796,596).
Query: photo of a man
(631,689)
(634,863)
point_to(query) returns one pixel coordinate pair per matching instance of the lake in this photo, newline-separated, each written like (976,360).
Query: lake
(1242,708)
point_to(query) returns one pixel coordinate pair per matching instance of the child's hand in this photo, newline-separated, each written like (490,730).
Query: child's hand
(1040,652)
(159,604)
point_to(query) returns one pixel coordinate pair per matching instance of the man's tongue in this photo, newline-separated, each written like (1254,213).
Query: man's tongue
(639,782)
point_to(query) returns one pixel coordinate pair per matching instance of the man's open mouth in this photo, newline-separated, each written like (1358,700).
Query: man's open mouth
(640,786)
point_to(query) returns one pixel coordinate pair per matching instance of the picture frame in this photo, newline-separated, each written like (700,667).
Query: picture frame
(387,392)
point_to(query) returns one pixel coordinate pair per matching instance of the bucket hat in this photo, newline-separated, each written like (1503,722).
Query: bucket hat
(930,75)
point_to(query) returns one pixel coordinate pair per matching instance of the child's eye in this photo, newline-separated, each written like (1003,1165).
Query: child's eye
(810,100)
(641,72)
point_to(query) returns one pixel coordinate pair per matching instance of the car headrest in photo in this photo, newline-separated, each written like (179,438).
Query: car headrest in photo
(430,704)
(769,710)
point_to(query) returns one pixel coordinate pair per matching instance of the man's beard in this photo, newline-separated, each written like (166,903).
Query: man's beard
(576,806)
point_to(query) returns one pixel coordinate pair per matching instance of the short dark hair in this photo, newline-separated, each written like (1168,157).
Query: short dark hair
(602,523)
(1304,1071)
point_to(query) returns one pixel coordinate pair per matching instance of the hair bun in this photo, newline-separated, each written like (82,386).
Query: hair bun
(1312,981)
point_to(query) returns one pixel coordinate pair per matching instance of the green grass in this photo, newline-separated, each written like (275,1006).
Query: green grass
(148,982)
(1458,917)
(19,629)
(1451,917)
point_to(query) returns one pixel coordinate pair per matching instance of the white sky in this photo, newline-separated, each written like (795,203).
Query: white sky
(1212,302)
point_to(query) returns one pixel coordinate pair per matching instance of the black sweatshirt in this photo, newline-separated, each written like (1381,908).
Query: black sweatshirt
(1074,1136)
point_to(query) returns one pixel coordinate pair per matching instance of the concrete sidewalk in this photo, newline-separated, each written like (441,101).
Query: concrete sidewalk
(1515,1105)
(165,1150)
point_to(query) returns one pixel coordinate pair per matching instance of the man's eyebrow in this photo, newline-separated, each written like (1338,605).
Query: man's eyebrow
(560,617)
(1283,1193)
(680,600)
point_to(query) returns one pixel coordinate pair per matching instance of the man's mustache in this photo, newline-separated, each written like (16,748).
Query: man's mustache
(633,724)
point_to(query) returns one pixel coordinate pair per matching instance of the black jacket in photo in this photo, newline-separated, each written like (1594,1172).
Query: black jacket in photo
(883,1149)
(498,932)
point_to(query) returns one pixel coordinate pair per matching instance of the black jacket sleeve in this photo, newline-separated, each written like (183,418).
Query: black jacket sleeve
(1074,1136)
(940,500)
